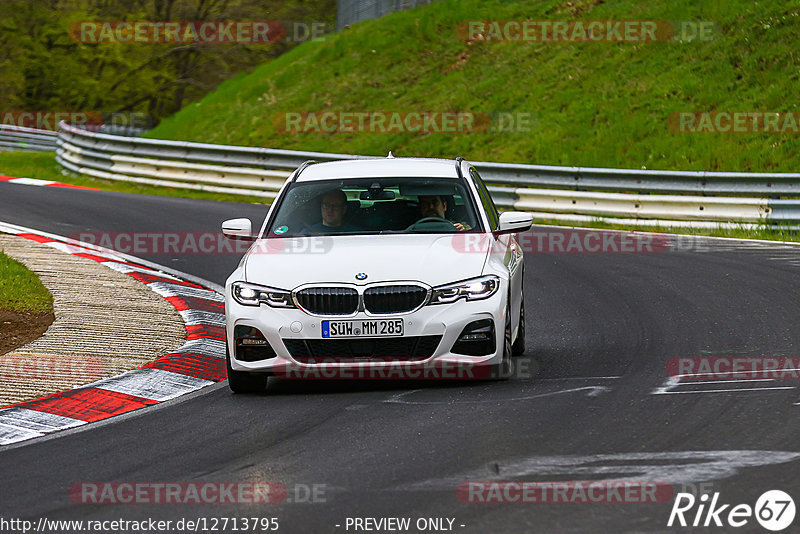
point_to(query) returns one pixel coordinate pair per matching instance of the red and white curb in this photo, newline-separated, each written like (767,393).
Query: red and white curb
(198,363)
(49,183)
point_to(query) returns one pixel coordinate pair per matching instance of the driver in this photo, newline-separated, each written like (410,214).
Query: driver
(436,206)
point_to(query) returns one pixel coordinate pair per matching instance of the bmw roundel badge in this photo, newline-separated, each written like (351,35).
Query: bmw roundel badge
(361,276)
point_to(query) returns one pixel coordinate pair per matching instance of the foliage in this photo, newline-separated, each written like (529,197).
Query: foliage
(43,68)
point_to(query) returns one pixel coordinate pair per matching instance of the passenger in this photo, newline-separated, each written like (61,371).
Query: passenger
(436,206)
(333,208)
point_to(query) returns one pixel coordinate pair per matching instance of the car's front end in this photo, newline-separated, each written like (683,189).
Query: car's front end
(401,306)
(376,268)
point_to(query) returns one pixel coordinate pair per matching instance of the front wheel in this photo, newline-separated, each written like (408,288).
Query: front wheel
(519,344)
(243,381)
(502,370)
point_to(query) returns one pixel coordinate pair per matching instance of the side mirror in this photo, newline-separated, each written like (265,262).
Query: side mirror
(512,222)
(238,229)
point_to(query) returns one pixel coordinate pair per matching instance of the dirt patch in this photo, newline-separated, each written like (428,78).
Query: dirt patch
(578,8)
(16,329)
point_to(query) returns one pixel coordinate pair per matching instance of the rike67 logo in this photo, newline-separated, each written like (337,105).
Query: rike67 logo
(774,510)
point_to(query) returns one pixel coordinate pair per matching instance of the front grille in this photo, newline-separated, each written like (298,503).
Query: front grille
(394,298)
(328,300)
(411,348)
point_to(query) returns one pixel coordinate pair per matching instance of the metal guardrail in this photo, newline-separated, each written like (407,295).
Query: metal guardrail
(116,129)
(20,138)
(352,11)
(561,193)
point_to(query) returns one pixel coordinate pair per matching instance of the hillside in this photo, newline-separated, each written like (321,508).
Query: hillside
(589,103)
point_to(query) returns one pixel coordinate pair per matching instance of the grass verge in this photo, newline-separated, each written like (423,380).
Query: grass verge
(21,291)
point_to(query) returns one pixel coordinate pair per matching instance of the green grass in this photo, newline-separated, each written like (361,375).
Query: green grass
(39,165)
(21,290)
(595,104)
(42,166)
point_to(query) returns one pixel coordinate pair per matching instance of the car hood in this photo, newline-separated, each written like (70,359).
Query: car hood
(434,259)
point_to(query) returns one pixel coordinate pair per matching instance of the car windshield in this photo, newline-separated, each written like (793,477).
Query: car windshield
(374,206)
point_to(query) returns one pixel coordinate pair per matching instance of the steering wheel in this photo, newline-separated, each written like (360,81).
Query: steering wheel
(432,224)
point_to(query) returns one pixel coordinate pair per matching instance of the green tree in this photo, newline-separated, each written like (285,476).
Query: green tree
(43,68)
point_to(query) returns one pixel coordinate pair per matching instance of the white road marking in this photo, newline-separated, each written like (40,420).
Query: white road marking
(399,398)
(13,434)
(165,289)
(193,317)
(204,346)
(31,181)
(697,466)
(554,379)
(154,384)
(720,390)
(19,424)
(672,382)
(36,420)
(74,249)
(125,269)
(728,381)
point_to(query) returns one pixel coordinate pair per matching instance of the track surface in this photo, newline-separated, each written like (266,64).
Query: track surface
(601,329)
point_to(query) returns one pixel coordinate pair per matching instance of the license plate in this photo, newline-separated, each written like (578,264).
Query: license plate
(363,328)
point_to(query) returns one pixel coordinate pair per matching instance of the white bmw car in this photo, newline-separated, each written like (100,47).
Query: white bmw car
(376,268)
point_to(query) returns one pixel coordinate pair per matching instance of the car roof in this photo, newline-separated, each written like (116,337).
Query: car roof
(380,168)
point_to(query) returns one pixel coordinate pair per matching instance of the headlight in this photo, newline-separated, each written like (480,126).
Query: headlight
(253,295)
(474,289)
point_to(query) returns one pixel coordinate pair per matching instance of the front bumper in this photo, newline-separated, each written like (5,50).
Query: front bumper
(286,329)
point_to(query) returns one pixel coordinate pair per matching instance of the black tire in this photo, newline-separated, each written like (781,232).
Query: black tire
(518,348)
(502,370)
(244,382)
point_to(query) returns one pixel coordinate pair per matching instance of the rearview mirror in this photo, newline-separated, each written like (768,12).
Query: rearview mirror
(514,221)
(377,194)
(238,229)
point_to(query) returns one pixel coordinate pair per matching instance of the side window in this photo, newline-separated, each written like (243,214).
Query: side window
(486,199)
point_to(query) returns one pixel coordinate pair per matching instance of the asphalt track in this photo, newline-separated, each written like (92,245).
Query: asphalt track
(601,329)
